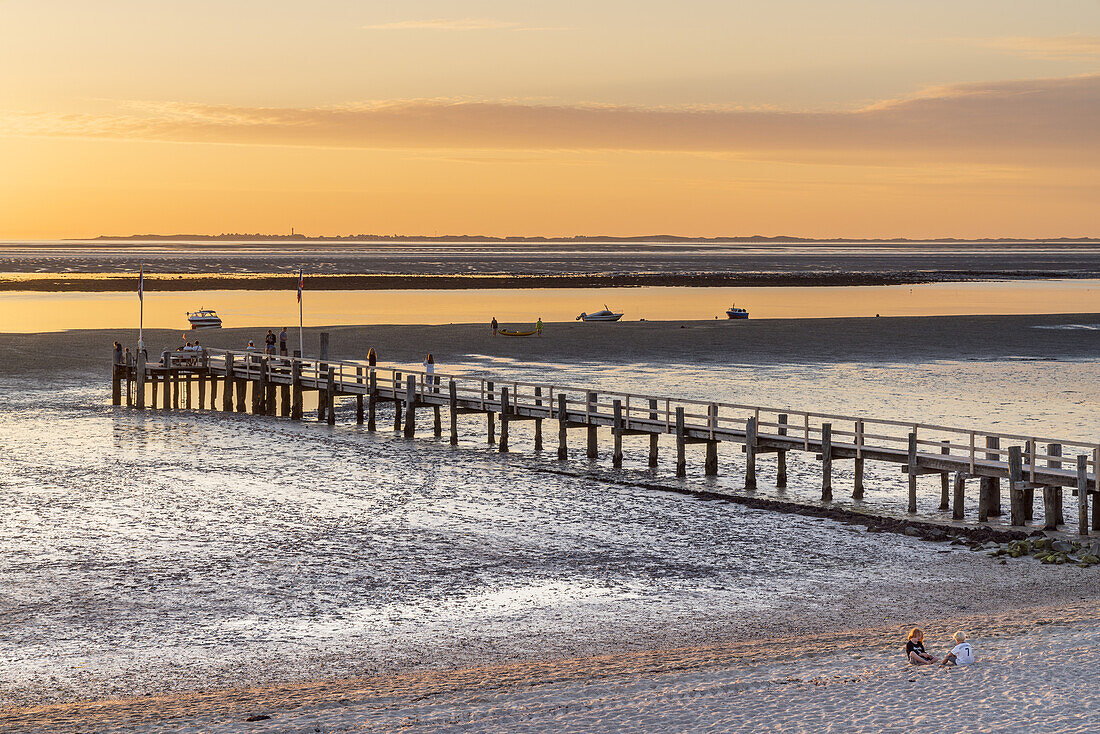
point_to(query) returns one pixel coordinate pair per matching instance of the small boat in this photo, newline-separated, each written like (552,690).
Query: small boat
(605,315)
(737,313)
(506,332)
(204,318)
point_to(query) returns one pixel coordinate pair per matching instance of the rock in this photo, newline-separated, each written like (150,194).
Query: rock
(1062,546)
(258,717)
(912,532)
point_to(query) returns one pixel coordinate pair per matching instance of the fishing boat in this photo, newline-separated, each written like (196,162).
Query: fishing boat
(737,313)
(204,318)
(506,332)
(606,315)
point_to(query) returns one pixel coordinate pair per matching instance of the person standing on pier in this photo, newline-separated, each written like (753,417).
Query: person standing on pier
(282,342)
(372,358)
(495,325)
(429,373)
(118,353)
(269,342)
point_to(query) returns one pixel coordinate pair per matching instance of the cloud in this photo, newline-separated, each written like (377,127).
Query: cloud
(1042,120)
(1057,48)
(455,24)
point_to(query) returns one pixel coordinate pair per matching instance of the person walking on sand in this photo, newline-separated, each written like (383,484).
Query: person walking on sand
(495,325)
(429,373)
(962,653)
(538,327)
(282,342)
(269,342)
(914,649)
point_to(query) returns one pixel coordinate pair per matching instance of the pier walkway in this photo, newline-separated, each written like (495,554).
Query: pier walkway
(274,386)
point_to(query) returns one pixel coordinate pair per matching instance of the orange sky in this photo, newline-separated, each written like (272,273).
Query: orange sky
(821,118)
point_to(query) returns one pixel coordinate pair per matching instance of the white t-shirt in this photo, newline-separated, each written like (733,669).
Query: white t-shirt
(964,654)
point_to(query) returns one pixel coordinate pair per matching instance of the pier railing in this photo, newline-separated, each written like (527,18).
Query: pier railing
(1027,461)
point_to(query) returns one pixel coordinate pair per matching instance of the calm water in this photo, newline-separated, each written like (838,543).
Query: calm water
(139,547)
(32,311)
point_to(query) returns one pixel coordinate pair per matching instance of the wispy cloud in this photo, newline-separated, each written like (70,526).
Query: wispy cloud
(457,24)
(1079,48)
(1045,120)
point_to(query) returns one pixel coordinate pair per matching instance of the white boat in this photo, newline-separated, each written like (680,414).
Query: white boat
(605,315)
(204,318)
(737,313)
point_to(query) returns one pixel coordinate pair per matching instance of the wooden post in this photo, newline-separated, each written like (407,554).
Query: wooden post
(259,388)
(504,409)
(960,489)
(984,500)
(437,422)
(242,389)
(330,396)
(227,386)
(992,485)
(322,345)
(826,462)
(653,437)
(452,388)
(322,388)
(284,399)
(1015,476)
(538,421)
(857,486)
(490,419)
(153,390)
(617,434)
(563,422)
(296,407)
(359,397)
(750,453)
(1028,497)
(681,459)
(912,472)
(175,388)
(129,380)
(945,480)
(1083,494)
(1055,449)
(781,456)
(270,395)
(410,406)
(396,401)
(116,383)
(372,401)
(200,379)
(1096,486)
(590,408)
(141,380)
(187,389)
(710,464)
(213,391)
(167,389)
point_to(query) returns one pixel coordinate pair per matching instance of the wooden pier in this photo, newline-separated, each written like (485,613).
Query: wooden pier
(961,458)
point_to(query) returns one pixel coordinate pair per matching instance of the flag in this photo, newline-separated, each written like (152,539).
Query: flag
(141,283)
(301,284)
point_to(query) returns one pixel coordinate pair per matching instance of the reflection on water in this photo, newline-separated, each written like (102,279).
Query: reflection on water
(33,311)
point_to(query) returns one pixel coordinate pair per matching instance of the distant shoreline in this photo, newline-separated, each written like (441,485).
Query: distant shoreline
(465,238)
(109,282)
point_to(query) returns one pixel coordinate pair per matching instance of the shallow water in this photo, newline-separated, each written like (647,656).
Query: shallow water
(140,550)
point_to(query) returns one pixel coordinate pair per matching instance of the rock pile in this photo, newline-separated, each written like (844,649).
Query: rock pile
(1048,550)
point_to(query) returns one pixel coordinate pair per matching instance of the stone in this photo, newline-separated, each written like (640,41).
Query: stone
(1062,546)
(912,532)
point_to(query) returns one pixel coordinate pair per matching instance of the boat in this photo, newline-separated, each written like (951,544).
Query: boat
(506,332)
(737,313)
(204,318)
(606,315)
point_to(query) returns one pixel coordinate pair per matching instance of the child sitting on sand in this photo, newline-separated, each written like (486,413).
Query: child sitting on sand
(914,649)
(962,653)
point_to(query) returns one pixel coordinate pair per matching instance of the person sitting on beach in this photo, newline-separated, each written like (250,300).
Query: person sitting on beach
(914,649)
(269,342)
(251,346)
(962,653)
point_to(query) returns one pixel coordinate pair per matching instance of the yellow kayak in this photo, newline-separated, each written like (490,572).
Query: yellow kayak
(505,332)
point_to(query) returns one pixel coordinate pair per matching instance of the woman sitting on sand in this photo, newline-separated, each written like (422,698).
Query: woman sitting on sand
(914,649)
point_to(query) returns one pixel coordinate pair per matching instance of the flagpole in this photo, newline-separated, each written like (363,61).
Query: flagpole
(301,340)
(141,309)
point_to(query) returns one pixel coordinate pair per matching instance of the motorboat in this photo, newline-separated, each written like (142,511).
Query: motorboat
(737,313)
(204,318)
(606,315)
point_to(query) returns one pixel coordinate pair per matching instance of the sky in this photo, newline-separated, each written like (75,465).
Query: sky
(815,118)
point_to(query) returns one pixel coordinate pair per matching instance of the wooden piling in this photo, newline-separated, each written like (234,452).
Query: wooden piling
(285,407)
(945,480)
(490,418)
(140,380)
(187,380)
(259,388)
(372,400)
(359,397)
(116,383)
(1096,486)
(592,451)
(322,345)
(563,424)
(129,380)
(200,384)
(322,387)
(437,422)
(1083,494)
(538,421)
(175,374)
(169,385)
(452,388)
(396,401)
(617,433)
(992,485)
(960,490)
(912,472)
(1015,478)
(410,406)
(1055,449)
(505,408)
(653,443)
(270,393)
(242,392)
(227,385)
(153,391)
(781,456)
(296,398)
(681,458)
(1029,492)
(710,464)
(857,482)
(330,396)
(826,462)
(750,453)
